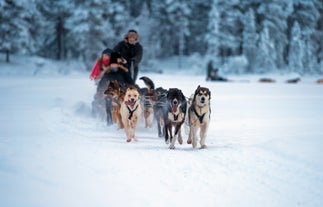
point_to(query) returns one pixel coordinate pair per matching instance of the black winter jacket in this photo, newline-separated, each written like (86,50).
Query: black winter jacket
(130,52)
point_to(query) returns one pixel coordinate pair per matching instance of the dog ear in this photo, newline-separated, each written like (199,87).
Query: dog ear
(127,85)
(108,83)
(168,92)
(196,92)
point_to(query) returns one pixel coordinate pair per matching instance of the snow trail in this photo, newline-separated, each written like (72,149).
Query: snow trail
(264,148)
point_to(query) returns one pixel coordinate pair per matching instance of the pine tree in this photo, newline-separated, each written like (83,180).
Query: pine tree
(274,16)
(12,30)
(198,24)
(89,30)
(171,17)
(230,27)
(212,36)
(307,14)
(266,53)
(250,39)
(144,24)
(296,50)
(52,30)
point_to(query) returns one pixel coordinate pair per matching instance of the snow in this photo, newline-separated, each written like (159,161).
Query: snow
(264,145)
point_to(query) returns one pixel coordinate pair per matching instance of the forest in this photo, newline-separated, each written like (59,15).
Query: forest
(259,36)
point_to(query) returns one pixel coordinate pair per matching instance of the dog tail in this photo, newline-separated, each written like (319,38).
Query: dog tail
(148,82)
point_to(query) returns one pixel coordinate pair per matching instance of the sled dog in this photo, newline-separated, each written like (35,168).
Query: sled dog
(175,116)
(115,94)
(160,109)
(199,116)
(147,96)
(131,112)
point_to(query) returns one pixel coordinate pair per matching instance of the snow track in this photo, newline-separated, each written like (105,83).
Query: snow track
(264,149)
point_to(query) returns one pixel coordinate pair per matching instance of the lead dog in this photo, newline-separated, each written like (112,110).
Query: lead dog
(175,116)
(199,116)
(131,112)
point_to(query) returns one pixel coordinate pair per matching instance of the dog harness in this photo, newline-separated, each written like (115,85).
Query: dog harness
(131,112)
(175,117)
(198,116)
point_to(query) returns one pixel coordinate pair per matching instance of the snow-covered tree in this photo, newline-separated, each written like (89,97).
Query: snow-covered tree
(89,30)
(117,19)
(250,39)
(64,29)
(171,18)
(196,41)
(52,28)
(13,28)
(144,24)
(307,14)
(230,27)
(212,36)
(266,53)
(274,16)
(296,50)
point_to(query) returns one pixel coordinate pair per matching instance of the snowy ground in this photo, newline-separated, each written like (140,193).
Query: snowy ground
(264,147)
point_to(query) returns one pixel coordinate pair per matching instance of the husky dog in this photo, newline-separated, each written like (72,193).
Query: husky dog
(147,95)
(175,116)
(115,94)
(160,108)
(131,112)
(199,116)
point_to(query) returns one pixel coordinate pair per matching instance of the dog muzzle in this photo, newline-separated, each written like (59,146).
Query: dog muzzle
(202,99)
(131,103)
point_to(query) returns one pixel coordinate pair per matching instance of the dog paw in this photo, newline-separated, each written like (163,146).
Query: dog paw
(194,145)
(172,147)
(129,140)
(203,146)
(180,140)
(189,141)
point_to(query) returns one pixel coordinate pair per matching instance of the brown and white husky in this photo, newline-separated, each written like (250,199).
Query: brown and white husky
(131,112)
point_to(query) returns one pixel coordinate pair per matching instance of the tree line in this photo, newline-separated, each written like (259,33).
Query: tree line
(261,36)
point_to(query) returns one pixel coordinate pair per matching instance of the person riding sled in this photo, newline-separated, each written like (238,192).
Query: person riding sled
(132,51)
(108,68)
(102,62)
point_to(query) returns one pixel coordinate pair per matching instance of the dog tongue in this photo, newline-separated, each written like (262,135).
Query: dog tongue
(131,103)
(174,108)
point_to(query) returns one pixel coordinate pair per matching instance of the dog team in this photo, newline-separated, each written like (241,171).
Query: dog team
(120,101)
(171,110)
